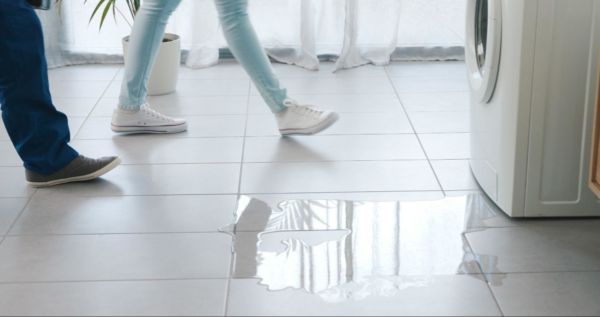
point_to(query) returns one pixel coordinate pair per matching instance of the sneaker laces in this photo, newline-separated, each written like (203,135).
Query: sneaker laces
(307,111)
(303,110)
(155,114)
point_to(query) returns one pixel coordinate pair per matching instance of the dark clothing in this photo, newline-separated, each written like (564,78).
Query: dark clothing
(38,131)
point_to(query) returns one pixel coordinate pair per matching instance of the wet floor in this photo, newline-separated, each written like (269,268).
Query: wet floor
(349,250)
(381,254)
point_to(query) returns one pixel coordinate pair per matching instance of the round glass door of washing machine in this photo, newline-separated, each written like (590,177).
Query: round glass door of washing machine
(484,42)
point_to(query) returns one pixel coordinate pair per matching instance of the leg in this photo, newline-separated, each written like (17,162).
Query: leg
(133,115)
(38,131)
(292,118)
(244,44)
(147,34)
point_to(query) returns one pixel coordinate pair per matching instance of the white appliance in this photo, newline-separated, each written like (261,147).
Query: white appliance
(533,73)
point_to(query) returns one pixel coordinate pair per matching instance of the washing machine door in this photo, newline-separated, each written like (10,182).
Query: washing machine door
(484,41)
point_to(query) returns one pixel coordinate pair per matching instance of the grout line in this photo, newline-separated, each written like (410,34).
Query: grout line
(190,279)
(248,136)
(279,162)
(415,131)
(265,136)
(264,193)
(284,162)
(259,193)
(238,194)
(99,234)
(89,115)
(485,275)
(243,278)
(353,192)
(265,114)
(544,272)
(18,217)
(115,281)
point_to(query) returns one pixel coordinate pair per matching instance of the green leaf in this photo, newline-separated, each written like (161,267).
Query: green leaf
(104,7)
(106,11)
(98,6)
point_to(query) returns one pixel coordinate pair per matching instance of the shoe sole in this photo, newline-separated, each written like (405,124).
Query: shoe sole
(83,178)
(322,126)
(170,129)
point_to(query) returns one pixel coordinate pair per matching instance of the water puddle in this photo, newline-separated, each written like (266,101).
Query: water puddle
(351,250)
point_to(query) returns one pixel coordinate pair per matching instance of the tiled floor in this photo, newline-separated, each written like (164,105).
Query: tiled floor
(146,240)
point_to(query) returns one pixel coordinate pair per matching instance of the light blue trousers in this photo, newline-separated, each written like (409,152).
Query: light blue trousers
(148,32)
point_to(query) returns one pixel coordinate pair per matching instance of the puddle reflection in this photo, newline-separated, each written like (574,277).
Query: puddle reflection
(350,250)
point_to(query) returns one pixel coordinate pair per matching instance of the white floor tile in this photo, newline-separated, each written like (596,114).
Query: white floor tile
(75,107)
(84,72)
(52,213)
(274,199)
(198,127)
(224,70)
(423,85)
(436,101)
(337,177)
(177,106)
(326,70)
(386,103)
(95,128)
(439,295)
(114,257)
(10,208)
(530,249)
(336,85)
(114,89)
(211,105)
(75,123)
(79,89)
(549,294)
(333,148)
(212,87)
(13,183)
(197,88)
(441,122)
(3,133)
(105,107)
(144,298)
(452,146)
(455,175)
(349,124)
(9,155)
(162,150)
(449,70)
(179,179)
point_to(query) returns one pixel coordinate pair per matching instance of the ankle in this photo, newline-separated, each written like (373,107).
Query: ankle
(130,109)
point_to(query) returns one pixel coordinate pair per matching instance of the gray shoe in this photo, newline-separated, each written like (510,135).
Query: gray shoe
(80,170)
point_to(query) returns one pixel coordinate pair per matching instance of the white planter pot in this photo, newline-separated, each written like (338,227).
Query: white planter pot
(164,75)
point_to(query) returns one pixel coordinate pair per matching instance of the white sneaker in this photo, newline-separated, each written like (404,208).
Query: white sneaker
(146,120)
(304,120)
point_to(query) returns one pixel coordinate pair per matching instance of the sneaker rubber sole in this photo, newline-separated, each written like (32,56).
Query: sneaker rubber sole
(330,120)
(82,178)
(168,129)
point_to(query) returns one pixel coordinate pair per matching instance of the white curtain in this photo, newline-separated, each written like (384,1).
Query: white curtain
(300,32)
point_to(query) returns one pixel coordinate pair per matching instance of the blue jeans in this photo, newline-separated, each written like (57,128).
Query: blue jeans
(38,131)
(148,33)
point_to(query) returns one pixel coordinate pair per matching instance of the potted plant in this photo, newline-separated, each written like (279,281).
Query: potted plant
(164,75)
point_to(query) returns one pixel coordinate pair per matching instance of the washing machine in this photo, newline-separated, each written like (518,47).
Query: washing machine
(533,72)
